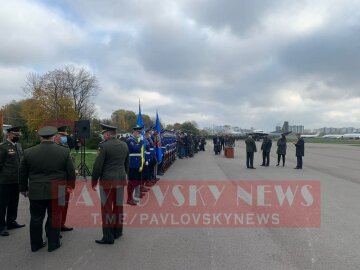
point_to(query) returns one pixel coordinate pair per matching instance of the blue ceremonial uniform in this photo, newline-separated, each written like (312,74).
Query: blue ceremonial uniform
(168,147)
(152,148)
(135,152)
(135,166)
(145,172)
(162,164)
(151,160)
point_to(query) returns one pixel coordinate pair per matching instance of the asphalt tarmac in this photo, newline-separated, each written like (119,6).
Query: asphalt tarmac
(335,244)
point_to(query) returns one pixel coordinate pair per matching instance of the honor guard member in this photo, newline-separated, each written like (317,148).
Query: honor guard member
(145,174)
(10,155)
(135,145)
(42,168)
(161,167)
(157,144)
(110,169)
(300,151)
(152,164)
(61,138)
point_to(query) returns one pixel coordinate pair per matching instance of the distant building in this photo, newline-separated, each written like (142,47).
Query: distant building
(223,129)
(296,129)
(332,130)
(286,126)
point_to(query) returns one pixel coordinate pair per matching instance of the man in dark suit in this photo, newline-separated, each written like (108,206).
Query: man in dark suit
(300,151)
(44,167)
(110,171)
(10,155)
(250,150)
(281,150)
(266,148)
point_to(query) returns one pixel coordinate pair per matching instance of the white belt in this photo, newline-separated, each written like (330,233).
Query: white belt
(152,148)
(147,153)
(135,155)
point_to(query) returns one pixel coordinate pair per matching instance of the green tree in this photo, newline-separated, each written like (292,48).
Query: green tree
(124,120)
(190,128)
(12,113)
(147,121)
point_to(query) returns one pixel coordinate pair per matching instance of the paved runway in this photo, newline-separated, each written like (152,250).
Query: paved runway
(335,245)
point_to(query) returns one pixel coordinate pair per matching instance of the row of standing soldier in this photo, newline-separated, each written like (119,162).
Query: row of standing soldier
(189,144)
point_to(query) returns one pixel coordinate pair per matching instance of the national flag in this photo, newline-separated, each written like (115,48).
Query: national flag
(140,124)
(157,139)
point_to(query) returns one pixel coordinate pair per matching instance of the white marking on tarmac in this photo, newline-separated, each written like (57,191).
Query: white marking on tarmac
(212,248)
(78,261)
(312,252)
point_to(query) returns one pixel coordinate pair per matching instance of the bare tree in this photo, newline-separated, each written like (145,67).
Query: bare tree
(81,85)
(68,83)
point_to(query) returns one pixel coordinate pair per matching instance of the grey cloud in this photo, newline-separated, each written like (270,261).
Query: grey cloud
(239,16)
(172,50)
(213,59)
(331,56)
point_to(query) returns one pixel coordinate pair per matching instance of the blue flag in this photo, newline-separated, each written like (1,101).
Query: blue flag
(139,119)
(157,139)
(140,124)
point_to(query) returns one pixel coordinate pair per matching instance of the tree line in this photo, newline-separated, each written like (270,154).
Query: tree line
(62,96)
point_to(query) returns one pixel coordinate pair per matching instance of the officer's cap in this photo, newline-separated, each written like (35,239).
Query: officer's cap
(47,131)
(14,130)
(62,130)
(138,128)
(107,128)
(149,129)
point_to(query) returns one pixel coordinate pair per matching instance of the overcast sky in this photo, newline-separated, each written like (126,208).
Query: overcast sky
(252,63)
